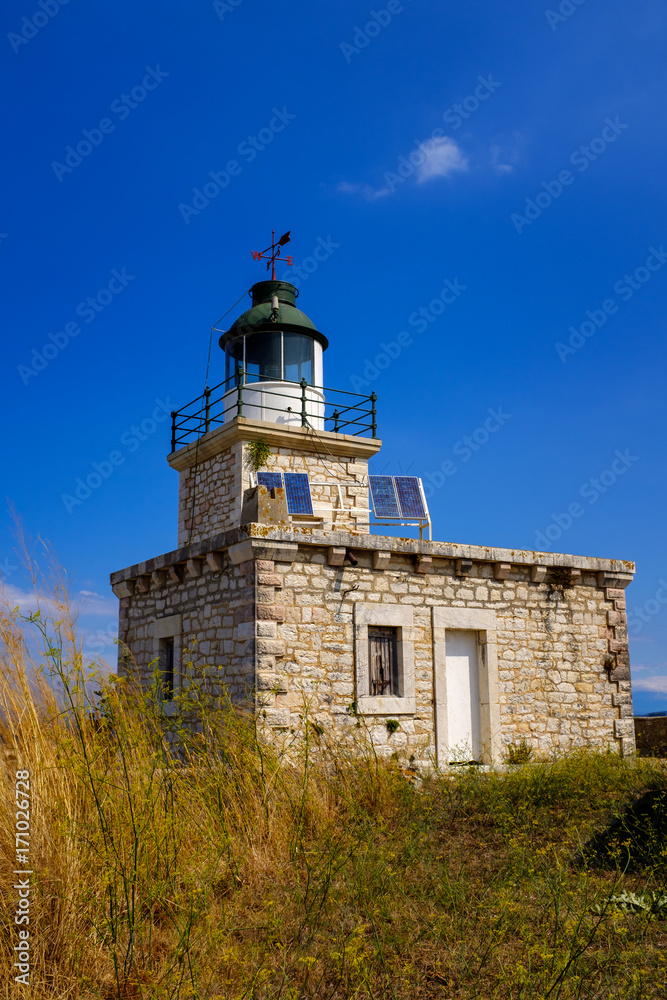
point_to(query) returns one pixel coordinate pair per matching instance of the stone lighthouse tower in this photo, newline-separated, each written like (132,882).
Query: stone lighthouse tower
(278,591)
(273,394)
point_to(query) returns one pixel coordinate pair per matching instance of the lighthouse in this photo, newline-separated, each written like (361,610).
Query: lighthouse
(278,593)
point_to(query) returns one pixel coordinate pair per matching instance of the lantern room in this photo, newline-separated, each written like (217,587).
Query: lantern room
(275,351)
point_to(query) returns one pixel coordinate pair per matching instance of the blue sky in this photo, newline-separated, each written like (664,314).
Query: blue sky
(514,151)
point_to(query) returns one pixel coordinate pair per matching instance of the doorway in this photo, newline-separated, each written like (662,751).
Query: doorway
(463,703)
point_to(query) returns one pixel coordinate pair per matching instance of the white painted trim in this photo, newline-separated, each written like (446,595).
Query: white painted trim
(402,618)
(484,623)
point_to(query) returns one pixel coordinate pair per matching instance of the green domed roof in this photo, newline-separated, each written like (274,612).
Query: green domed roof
(259,318)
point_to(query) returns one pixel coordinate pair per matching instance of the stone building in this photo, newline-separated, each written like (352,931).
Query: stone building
(279,592)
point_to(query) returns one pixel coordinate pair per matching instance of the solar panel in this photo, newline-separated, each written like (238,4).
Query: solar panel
(383,496)
(297,490)
(408,489)
(269,479)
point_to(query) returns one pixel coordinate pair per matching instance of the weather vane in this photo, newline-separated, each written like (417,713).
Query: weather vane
(273,253)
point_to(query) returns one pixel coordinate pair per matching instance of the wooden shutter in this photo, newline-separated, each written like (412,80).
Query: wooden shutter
(382,661)
(168,669)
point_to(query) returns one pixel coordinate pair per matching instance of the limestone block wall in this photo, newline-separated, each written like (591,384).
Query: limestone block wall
(210,494)
(215,602)
(338,486)
(558,684)
(278,611)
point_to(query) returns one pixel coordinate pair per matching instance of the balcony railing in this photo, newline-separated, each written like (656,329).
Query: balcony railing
(291,403)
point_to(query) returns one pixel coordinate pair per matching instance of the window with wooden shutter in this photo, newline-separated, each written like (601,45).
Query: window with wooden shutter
(383,661)
(167,667)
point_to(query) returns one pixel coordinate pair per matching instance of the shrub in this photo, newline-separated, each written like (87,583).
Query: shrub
(519,753)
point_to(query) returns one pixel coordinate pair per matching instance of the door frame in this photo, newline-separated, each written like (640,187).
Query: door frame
(483,622)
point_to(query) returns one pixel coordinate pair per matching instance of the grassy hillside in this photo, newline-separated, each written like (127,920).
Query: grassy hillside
(232,870)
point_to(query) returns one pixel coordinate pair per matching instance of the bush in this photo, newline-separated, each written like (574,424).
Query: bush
(519,753)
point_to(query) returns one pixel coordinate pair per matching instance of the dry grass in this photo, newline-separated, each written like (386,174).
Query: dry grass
(171,863)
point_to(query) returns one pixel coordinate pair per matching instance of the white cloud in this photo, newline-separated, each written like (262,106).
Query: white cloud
(507,152)
(96,617)
(86,602)
(657,684)
(365,190)
(27,601)
(442,157)
(435,157)
(89,603)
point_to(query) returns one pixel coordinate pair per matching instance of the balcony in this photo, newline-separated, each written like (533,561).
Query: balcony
(247,394)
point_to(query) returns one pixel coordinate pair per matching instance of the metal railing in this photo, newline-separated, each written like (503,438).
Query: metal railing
(339,411)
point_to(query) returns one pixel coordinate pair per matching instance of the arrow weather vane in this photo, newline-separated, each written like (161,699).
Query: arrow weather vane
(273,253)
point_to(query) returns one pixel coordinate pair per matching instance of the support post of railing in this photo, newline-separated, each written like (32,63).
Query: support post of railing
(304,415)
(374,425)
(336,416)
(173,430)
(207,410)
(239,403)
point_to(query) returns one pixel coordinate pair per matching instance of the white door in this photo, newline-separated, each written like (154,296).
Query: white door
(462,686)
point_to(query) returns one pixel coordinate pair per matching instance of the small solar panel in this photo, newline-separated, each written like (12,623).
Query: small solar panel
(383,496)
(269,479)
(408,489)
(297,490)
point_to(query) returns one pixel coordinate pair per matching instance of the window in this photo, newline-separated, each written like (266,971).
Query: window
(167,646)
(383,661)
(167,668)
(233,358)
(263,360)
(270,356)
(298,353)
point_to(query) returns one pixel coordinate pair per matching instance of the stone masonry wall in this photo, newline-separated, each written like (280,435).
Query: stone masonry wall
(218,483)
(276,610)
(555,671)
(221,480)
(216,601)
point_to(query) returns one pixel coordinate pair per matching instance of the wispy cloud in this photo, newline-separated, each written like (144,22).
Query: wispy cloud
(442,158)
(650,677)
(85,602)
(507,152)
(656,683)
(436,157)
(364,190)
(96,616)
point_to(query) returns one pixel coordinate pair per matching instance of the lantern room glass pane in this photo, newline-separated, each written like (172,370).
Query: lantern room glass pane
(263,357)
(298,352)
(233,358)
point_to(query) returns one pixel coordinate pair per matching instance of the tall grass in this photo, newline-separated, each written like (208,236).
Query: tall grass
(197,860)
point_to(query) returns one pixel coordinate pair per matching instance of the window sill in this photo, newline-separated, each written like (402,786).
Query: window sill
(385,705)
